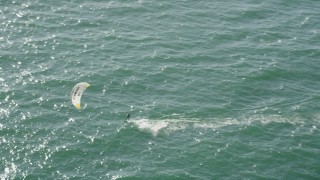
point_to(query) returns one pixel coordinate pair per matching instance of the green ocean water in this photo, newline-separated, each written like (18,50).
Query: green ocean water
(215,89)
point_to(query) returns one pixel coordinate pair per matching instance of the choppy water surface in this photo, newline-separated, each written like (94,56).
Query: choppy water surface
(215,89)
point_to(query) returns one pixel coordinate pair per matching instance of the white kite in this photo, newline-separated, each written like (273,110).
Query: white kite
(76,93)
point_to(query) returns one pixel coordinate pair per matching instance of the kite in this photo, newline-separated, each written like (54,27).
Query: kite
(76,93)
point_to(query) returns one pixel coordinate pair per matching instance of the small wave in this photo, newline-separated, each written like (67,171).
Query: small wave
(9,171)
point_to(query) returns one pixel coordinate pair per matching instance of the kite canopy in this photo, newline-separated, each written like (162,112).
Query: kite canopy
(76,93)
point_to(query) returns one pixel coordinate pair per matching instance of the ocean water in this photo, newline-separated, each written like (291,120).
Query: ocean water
(215,89)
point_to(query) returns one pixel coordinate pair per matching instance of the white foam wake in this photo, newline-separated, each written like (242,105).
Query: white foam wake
(150,126)
(154,126)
